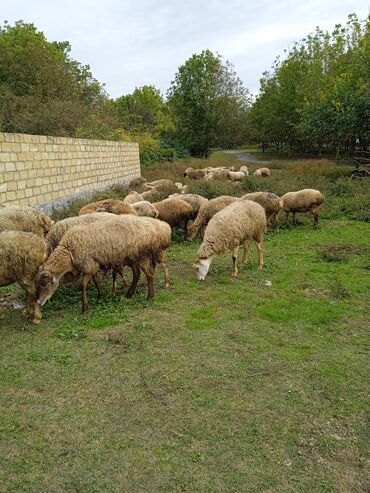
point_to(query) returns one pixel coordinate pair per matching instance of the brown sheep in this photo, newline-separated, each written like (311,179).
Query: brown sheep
(269,201)
(145,208)
(158,184)
(196,201)
(235,225)
(176,212)
(136,241)
(24,218)
(113,206)
(207,211)
(307,200)
(133,197)
(21,256)
(195,174)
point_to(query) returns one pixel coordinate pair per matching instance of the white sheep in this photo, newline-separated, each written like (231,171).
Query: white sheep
(307,200)
(235,225)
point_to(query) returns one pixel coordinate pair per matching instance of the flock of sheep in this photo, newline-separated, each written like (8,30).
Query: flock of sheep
(111,234)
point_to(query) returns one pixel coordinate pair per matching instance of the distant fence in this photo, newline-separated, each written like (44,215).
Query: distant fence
(42,170)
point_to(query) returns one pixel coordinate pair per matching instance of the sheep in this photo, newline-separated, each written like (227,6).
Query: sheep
(151,195)
(236,175)
(145,208)
(217,173)
(206,212)
(245,170)
(307,200)
(133,197)
(136,241)
(195,174)
(181,188)
(176,212)
(24,218)
(235,225)
(21,256)
(196,201)
(61,227)
(108,205)
(269,201)
(158,184)
(136,182)
(262,172)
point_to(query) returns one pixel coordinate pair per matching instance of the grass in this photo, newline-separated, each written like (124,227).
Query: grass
(219,386)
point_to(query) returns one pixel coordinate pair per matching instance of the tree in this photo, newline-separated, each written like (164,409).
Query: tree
(42,90)
(206,99)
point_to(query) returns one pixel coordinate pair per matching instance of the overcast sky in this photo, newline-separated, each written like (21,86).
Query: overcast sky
(130,43)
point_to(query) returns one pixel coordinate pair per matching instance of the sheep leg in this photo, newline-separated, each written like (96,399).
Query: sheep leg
(315,216)
(294,219)
(148,267)
(37,315)
(1,313)
(135,280)
(114,282)
(97,285)
(29,310)
(85,304)
(162,259)
(234,274)
(276,220)
(124,282)
(185,230)
(260,254)
(287,216)
(246,252)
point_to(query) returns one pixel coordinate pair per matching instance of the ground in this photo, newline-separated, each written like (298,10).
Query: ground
(219,386)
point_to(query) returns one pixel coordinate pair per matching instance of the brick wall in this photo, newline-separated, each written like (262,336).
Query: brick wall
(38,169)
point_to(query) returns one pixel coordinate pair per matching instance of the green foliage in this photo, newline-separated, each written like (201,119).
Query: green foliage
(320,94)
(43,90)
(208,103)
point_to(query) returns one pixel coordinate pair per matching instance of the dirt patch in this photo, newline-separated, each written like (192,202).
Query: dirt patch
(339,253)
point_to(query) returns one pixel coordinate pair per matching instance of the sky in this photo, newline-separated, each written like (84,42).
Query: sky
(130,43)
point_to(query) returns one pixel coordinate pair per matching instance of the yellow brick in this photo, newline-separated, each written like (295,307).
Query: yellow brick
(10,196)
(12,185)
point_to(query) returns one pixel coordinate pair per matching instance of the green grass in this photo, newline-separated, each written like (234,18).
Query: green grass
(220,386)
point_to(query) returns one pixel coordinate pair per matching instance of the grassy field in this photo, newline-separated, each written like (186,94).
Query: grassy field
(219,386)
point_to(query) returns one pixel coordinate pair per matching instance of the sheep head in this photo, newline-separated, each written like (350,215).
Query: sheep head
(201,267)
(46,286)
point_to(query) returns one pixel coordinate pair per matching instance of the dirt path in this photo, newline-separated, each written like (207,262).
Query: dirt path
(246,156)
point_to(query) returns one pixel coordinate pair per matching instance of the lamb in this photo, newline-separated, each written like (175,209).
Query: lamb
(207,211)
(24,218)
(133,197)
(136,241)
(108,205)
(245,170)
(196,201)
(236,175)
(269,201)
(307,200)
(195,174)
(176,212)
(61,227)
(21,255)
(145,208)
(181,188)
(158,184)
(235,225)
(262,172)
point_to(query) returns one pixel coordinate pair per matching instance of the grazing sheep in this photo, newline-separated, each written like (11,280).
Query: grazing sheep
(21,256)
(145,208)
(236,175)
(108,205)
(196,201)
(262,172)
(24,218)
(158,184)
(207,211)
(136,182)
(195,174)
(151,195)
(307,200)
(133,197)
(217,173)
(61,227)
(269,201)
(176,212)
(136,241)
(235,225)
(245,170)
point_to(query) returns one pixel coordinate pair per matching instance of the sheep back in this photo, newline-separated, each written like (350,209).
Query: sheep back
(174,211)
(108,205)
(24,218)
(302,200)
